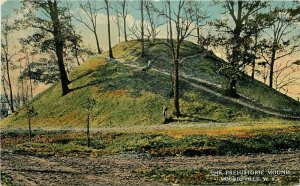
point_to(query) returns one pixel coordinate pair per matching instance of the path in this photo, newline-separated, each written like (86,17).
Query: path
(144,128)
(187,78)
(124,169)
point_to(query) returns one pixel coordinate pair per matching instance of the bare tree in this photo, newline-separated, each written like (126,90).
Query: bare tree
(286,75)
(88,106)
(135,31)
(6,58)
(31,112)
(4,84)
(200,21)
(91,11)
(154,21)
(139,31)
(75,38)
(282,42)
(264,73)
(117,21)
(142,28)
(165,13)
(21,82)
(30,74)
(183,18)
(25,55)
(124,14)
(108,30)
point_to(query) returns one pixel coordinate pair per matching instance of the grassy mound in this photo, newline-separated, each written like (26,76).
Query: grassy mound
(128,96)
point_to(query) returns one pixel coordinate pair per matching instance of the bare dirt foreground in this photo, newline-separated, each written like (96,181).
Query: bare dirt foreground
(124,169)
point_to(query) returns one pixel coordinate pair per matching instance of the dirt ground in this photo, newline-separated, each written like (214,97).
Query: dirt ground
(123,169)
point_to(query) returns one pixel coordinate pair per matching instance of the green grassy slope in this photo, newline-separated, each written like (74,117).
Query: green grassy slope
(127,96)
(206,66)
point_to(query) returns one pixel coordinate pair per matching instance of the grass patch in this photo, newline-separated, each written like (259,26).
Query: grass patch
(227,140)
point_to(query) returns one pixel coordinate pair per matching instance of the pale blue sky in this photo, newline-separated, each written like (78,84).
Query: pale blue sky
(7,9)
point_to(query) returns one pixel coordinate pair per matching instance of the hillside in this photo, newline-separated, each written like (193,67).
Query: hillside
(125,95)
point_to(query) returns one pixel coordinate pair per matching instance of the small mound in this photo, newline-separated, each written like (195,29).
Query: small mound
(125,95)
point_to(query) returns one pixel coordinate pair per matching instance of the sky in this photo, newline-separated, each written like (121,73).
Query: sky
(2,1)
(7,10)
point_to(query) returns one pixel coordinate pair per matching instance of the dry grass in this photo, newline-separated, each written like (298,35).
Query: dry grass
(243,131)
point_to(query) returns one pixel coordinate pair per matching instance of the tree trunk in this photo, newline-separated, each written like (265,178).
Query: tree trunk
(63,74)
(23,92)
(253,70)
(124,19)
(176,88)
(97,42)
(118,25)
(176,81)
(236,50)
(76,50)
(232,88)
(7,60)
(175,55)
(18,99)
(76,55)
(254,59)
(235,56)
(198,35)
(59,45)
(125,30)
(4,89)
(168,38)
(31,87)
(30,80)
(153,35)
(142,29)
(22,87)
(10,87)
(108,30)
(29,124)
(271,73)
(76,47)
(88,130)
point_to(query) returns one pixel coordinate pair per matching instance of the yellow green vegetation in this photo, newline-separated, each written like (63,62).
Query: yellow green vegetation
(210,139)
(128,96)
(176,140)
(243,131)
